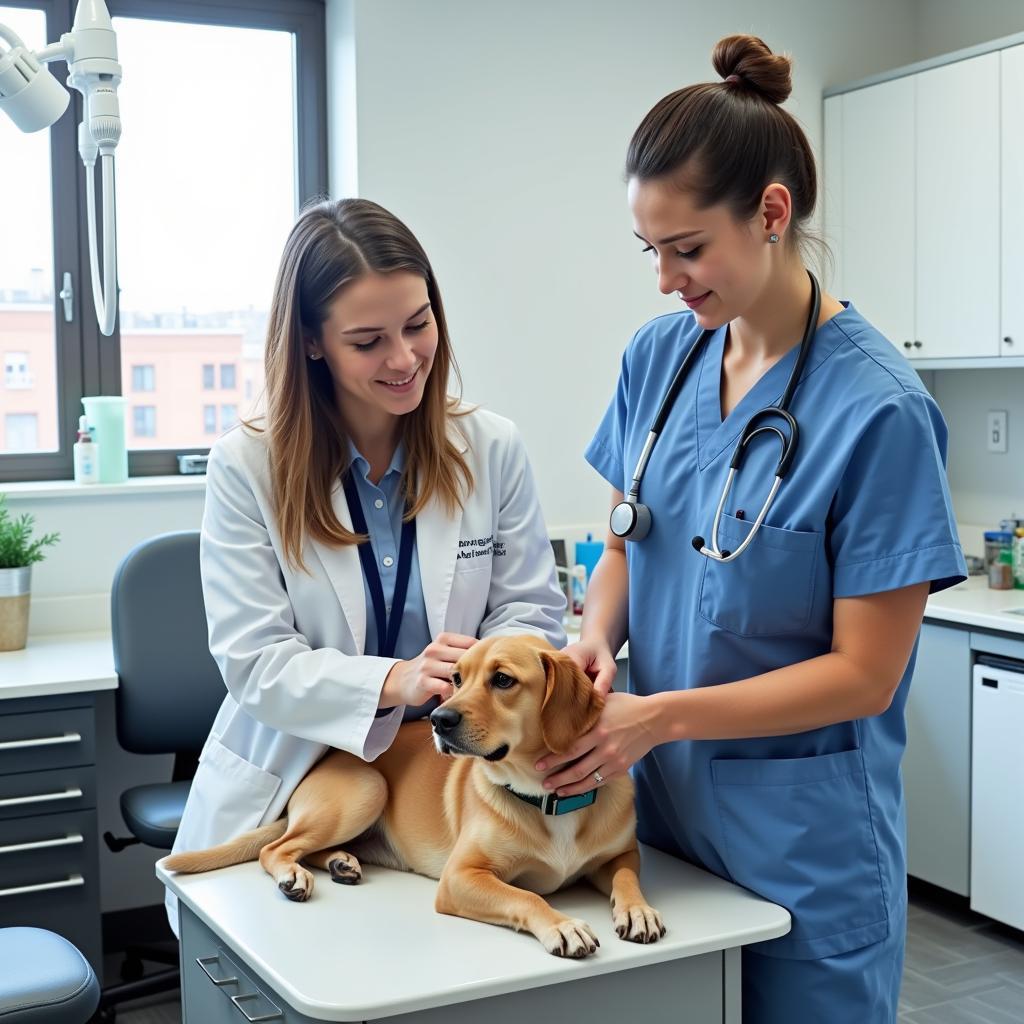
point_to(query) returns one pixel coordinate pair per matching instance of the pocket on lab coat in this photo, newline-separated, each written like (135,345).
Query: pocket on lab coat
(229,795)
(798,832)
(769,589)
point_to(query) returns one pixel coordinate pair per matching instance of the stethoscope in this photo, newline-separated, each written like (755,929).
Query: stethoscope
(631,520)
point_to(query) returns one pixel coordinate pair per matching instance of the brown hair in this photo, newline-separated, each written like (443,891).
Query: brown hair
(726,141)
(331,245)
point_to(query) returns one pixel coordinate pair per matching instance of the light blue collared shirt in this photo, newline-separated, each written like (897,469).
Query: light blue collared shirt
(383,507)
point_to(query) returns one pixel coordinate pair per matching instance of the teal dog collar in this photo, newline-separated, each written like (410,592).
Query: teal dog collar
(552,804)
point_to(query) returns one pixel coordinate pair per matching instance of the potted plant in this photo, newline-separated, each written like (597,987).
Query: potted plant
(18,553)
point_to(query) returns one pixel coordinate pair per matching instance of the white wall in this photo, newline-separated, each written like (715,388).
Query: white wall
(498,132)
(947,25)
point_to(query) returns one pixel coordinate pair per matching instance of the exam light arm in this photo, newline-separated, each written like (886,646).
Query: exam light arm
(34,100)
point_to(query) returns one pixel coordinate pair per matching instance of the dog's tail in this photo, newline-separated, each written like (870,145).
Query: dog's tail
(245,847)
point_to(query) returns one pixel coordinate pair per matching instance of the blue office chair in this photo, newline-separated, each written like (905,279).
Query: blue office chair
(169,690)
(44,979)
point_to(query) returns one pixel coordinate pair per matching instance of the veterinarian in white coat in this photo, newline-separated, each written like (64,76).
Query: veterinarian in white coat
(357,369)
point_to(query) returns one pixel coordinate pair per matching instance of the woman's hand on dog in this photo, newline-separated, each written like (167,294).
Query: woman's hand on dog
(430,675)
(597,661)
(626,731)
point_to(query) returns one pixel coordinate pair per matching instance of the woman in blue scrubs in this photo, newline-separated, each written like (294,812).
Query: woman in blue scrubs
(765,715)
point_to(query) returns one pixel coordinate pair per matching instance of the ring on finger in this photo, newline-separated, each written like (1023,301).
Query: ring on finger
(598,777)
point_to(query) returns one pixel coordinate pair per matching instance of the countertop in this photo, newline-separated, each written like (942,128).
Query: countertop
(61,663)
(298,947)
(84,662)
(972,603)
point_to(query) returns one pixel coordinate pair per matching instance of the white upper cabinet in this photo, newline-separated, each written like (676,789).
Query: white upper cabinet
(877,221)
(924,205)
(957,209)
(1012,325)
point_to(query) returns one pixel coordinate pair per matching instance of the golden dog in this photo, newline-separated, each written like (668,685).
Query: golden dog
(494,852)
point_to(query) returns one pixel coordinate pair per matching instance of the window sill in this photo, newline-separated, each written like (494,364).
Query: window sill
(138,485)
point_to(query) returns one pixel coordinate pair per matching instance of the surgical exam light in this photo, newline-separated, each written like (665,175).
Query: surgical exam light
(34,100)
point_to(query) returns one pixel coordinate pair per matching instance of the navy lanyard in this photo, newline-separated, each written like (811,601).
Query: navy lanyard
(387,626)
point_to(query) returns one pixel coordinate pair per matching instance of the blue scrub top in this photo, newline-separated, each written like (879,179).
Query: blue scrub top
(383,506)
(813,821)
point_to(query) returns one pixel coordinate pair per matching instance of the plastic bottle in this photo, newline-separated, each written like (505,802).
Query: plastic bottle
(86,455)
(1000,576)
(1018,558)
(588,553)
(579,588)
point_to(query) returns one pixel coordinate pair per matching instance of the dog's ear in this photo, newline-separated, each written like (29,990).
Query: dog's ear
(571,704)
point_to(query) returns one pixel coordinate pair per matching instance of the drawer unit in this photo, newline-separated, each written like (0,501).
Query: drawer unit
(49,857)
(61,789)
(46,739)
(49,877)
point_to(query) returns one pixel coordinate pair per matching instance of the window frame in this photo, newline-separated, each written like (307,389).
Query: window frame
(87,362)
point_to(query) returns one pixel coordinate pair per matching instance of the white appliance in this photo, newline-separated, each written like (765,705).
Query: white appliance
(997,790)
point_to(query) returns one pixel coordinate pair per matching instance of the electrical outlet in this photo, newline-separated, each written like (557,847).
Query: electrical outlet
(997,430)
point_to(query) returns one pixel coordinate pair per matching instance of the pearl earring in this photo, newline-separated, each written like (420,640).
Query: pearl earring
(773,238)
(314,355)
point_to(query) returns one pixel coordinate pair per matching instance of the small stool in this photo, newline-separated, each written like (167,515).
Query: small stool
(44,980)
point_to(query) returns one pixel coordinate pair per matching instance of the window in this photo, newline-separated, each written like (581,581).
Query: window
(185,309)
(209,419)
(22,432)
(228,416)
(16,373)
(144,420)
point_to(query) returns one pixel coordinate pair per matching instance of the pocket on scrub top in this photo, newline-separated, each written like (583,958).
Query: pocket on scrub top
(798,832)
(769,589)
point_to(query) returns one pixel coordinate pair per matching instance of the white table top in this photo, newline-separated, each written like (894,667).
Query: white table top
(389,919)
(62,663)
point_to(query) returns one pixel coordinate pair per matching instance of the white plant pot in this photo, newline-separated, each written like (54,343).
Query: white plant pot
(15,587)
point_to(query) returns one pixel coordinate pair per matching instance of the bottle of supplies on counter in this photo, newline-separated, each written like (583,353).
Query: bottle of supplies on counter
(588,552)
(579,588)
(86,455)
(1018,558)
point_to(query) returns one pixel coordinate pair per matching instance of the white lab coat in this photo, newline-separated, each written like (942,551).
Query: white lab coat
(289,644)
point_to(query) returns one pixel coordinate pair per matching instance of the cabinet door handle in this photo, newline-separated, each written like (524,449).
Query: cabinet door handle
(204,960)
(72,793)
(906,344)
(40,844)
(238,1000)
(917,344)
(65,883)
(42,741)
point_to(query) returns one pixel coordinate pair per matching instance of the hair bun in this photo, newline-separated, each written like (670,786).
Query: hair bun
(748,59)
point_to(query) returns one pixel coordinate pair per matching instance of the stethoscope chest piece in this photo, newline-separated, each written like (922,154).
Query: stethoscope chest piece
(630,520)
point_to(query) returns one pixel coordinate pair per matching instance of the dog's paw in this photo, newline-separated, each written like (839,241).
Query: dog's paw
(570,938)
(638,923)
(296,883)
(345,869)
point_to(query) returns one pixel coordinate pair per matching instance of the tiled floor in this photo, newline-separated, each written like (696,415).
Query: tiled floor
(960,969)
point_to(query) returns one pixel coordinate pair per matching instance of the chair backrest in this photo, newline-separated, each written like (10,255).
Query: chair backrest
(169,686)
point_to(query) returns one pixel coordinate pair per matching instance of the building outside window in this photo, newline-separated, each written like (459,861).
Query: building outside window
(21,432)
(228,416)
(228,377)
(209,419)
(16,373)
(209,376)
(143,378)
(144,420)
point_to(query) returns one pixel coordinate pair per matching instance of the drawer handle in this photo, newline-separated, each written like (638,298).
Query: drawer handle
(72,793)
(204,960)
(41,844)
(237,1000)
(42,741)
(67,883)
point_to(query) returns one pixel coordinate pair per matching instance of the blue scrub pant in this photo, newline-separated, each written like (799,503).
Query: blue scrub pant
(859,987)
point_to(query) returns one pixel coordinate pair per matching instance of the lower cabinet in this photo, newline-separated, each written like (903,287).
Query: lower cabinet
(937,763)
(49,862)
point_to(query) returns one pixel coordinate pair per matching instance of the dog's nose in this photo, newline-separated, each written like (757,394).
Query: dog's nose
(445,719)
